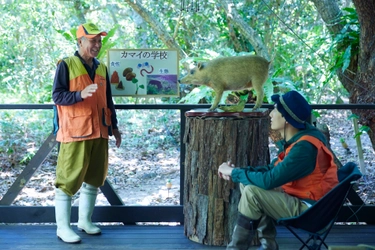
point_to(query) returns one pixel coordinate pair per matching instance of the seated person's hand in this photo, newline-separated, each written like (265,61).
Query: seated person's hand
(225,170)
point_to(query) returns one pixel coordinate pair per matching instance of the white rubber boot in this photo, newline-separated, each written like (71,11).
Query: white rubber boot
(62,214)
(87,200)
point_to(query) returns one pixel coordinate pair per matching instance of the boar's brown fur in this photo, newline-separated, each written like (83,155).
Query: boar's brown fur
(231,73)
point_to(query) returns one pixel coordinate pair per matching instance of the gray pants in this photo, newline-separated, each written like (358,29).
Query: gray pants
(268,206)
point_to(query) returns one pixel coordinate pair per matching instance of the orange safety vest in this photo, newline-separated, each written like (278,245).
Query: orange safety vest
(324,177)
(90,118)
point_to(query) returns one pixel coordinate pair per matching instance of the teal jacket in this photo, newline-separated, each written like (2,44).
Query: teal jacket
(299,163)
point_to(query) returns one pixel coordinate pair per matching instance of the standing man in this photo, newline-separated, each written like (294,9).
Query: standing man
(304,169)
(86,119)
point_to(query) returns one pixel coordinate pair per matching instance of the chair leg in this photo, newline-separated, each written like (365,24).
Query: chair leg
(315,245)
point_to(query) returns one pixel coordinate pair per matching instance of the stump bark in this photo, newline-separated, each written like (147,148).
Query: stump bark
(210,203)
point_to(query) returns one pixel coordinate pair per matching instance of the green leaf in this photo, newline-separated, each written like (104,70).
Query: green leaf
(353,116)
(197,94)
(346,58)
(364,129)
(268,89)
(107,43)
(316,114)
(357,135)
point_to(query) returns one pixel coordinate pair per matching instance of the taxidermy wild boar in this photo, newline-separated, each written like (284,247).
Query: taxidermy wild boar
(231,73)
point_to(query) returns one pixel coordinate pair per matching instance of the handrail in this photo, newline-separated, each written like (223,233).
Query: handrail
(187,106)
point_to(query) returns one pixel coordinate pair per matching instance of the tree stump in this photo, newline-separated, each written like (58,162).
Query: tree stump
(211,138)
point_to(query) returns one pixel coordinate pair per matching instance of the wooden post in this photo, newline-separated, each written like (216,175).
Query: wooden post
(211,138)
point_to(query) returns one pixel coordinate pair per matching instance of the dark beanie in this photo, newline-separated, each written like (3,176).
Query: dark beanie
(293,107)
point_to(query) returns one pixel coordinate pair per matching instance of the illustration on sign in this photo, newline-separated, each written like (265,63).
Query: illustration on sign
(143,72)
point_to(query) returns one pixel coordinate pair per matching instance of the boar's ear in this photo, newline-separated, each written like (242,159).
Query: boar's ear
(200,66)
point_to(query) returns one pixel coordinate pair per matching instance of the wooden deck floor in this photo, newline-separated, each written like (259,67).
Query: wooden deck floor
(43,237)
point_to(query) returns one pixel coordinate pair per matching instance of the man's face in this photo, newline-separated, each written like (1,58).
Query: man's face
(277,120)
(90,47)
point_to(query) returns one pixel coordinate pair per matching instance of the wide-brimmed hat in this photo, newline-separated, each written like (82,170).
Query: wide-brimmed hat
(89,30)
(294,108)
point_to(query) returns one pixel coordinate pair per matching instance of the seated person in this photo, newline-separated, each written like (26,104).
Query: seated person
(303,176)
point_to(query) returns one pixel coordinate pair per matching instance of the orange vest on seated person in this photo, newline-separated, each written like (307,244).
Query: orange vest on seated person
(324,177)
(91,118)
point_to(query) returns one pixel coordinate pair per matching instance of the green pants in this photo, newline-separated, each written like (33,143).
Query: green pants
(83,161)
(268,206)
(256,202)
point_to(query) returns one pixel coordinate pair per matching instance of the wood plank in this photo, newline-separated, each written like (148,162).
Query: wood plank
(124,214)
(43,237)
(132,214)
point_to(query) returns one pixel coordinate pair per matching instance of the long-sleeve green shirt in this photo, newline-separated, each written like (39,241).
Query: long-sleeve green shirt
(299,162)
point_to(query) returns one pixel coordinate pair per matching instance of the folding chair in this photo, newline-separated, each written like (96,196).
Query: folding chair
(318,220)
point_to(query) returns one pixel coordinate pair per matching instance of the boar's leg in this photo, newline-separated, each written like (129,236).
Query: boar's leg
(260,94)
(219,94)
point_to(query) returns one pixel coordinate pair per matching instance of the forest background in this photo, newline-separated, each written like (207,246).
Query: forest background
(322,48)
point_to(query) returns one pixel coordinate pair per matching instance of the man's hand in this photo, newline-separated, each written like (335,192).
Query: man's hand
(117,136)
(225,170)
(89,90)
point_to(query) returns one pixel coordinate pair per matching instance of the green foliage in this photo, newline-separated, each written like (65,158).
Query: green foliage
(70,35)
(283,85)
(343,47)
(36,34)
(298,43)
(28,52)
(316,113)
(347,39)
(197,94)
(362,129)
(107,43)
(353,116)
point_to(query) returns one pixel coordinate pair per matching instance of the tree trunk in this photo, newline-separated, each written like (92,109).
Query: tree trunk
(364,88)
(210,203)
(244,28)
(357,79)
(157,27)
